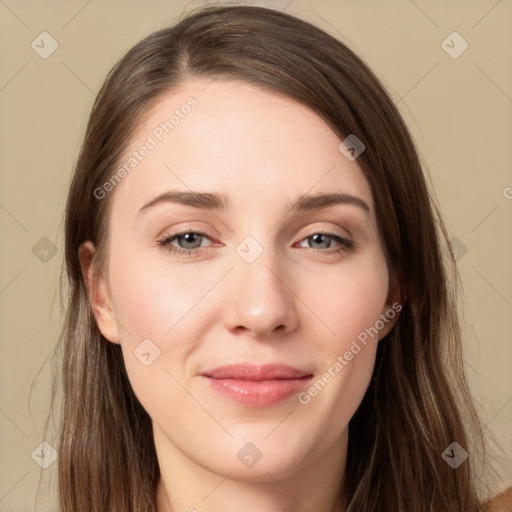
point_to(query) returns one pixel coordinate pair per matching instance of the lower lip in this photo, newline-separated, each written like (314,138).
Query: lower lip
(258,393)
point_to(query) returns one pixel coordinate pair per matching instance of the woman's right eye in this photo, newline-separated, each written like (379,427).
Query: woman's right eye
(189,239)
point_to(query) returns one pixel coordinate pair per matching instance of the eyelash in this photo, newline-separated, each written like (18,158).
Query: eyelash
(345,244)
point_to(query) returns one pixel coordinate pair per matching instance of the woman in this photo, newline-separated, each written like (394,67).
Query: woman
(215,357)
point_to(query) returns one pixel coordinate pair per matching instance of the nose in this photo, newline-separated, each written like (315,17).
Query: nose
(260,301)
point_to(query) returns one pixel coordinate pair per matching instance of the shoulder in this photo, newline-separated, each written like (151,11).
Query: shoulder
(501,503)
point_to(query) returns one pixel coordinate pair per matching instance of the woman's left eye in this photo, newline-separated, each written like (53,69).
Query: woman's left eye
(320,238)
(192,240)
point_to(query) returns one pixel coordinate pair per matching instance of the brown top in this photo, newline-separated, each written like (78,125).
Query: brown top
(501,503)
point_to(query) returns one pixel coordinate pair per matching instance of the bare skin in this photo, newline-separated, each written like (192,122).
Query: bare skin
(301,302)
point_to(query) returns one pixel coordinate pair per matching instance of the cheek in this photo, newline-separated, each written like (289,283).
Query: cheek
(350,308)
(350,301)
(155,305)
(165,311)
(152,300)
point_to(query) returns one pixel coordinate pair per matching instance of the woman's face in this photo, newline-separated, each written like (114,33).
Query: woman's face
(252,351)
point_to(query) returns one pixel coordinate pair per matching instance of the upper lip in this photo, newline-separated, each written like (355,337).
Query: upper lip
(254,372)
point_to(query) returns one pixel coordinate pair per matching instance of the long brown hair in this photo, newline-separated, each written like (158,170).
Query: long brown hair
(418,401)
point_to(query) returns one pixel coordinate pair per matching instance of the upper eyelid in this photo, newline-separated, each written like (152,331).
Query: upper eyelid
(324,231)
(176,234)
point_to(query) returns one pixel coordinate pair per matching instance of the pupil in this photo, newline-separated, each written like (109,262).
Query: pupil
(189,238)
(318,238)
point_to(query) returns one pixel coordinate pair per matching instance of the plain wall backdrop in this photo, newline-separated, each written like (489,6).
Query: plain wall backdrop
(453,90)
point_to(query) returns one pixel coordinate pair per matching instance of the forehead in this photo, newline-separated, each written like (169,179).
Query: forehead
(238,139)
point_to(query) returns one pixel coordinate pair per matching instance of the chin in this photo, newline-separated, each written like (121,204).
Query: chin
(262,460)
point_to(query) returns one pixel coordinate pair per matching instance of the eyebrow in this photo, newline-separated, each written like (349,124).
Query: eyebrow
(210,201)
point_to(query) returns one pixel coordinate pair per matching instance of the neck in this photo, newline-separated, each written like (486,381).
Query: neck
(189,487)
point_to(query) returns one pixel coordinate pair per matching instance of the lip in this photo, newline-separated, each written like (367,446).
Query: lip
(257,385)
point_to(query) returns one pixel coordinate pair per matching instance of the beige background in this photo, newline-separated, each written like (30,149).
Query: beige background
(459,111)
